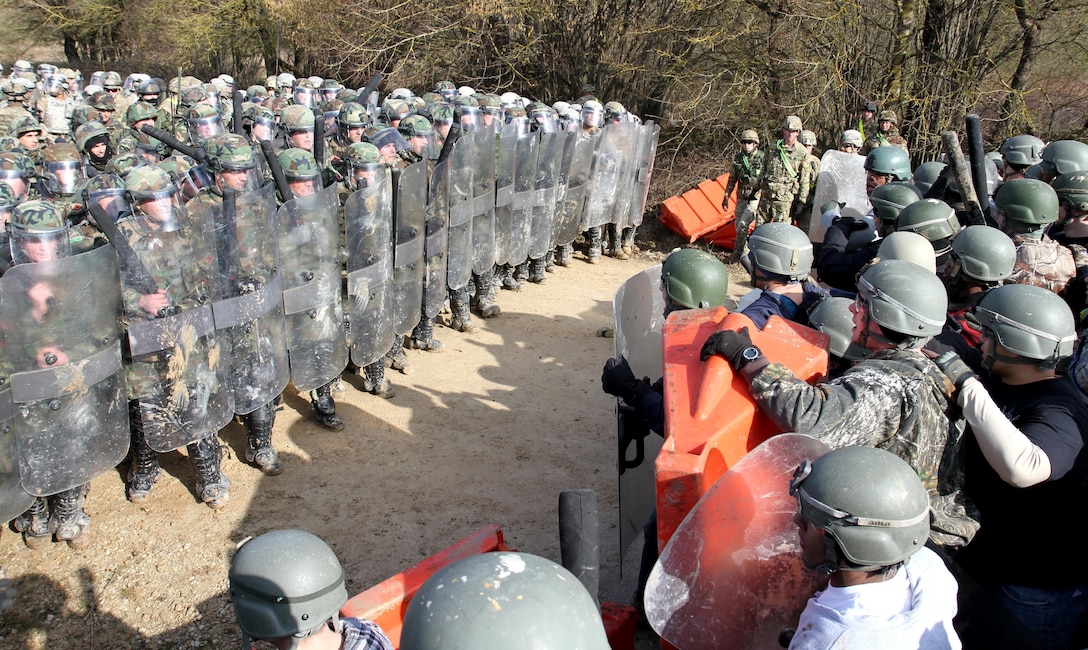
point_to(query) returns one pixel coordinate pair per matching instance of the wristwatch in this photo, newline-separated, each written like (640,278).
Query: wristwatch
(749,354)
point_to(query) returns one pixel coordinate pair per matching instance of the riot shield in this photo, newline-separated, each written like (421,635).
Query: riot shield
(627,134)
(543,215)
(613,147)
(368,226)
(504,192)
(408,238)
(731,576)
(435,246)
(179,369)
(842,179)
(638,309)
(483,202)
(249,307)
(525,156)
(568,221)
(564,153)
(14,500)
(309,242)
(644,168)
(62,338)
(459,233)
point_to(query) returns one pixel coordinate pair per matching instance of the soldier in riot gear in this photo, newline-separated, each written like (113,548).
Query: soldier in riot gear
(17,172)
(61,173)
(592,120)
(298,127)
(1018,153)
(28,131)
(93,141)
(936,221)
(15,91)
(1071,231)
(204,122)
(1061,157)
(1025,208)
(172,250)
(780,257)
(886,164)
(55,107)
(745,179)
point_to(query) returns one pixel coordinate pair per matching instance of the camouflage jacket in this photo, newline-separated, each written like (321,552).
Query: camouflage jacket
(878,139)
(786,173)
(895,400)
(747,171)
(9,114)
(1042,262)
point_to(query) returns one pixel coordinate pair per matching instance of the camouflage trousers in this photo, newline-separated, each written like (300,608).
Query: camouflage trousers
(775,211)
(745,214)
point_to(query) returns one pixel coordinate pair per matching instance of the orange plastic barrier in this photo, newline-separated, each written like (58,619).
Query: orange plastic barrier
(698,213)
(386,602)
(709,414)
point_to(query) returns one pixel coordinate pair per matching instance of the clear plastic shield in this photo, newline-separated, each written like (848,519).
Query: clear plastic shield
(368,226)
(613,148)
(524,181)
(459,233)
(14,500)
(543,216)
(408,238)
(437,242)
(571,210)
(627,134)
(565,154)
(504,192)
(483,202)
(179,367)
(309,242)
(638,309)
(62,335)
(647,152)
(842,179)
(249,308)
(731,576)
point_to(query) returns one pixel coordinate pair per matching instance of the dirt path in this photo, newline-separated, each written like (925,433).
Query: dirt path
(488,431)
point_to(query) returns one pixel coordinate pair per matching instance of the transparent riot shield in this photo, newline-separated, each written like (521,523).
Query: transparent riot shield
(543,214)
(565,154)
(644,168)
(842,179)
(249,307)
(435,246)
(408,237)
(179,370)
(613,147)
(368,226)
(70,410)
(14,500)
(459,233)
(309,242)
(571,210)
(504,192)
(627,134)
(524,181)
(731,576)
(638,309)
(483,202)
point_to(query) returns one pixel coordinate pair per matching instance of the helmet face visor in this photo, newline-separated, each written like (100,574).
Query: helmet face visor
(64,177)
(30,247)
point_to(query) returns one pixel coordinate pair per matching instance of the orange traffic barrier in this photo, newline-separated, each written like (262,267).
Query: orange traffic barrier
(698,213)
(386,602)
(710,416)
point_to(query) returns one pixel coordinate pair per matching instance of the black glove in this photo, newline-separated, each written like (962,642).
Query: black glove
(618,379)
(730,345)
(848,224)
(954,368)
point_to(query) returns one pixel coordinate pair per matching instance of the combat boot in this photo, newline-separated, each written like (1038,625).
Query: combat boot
(144,469)
(396,357)
(423,336)
(324,408)
(374,381)
(460,316)
(34,524)
(536,271)
(212,485)
(259,449)
(627,241)
(549,262)
(564,255)
(67,519)
(485,295)
(521,271)
(509,282)
(593,236)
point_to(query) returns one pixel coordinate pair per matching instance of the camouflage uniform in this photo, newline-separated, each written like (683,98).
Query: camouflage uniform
(747,172)
(894,400)
(876,138)
(1042,262)
(785,181)
(16,105)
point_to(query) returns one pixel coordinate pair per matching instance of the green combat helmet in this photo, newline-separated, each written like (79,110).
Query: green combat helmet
(415,126)
(367,165)
(83,114)
(1072,190)
(228,151)
(298,164)
(1022,151)
(446,89)
(39,232)
(807,138)
(204,122)
(909,246)
(889,200)
(8,201)
(927,174)
(833,317)
(140,111)
(296,118)
(615,112)
(123,163)
(694,279)
(103,101)
(16,169)
(352,116)
(1029,321)
(904,299)
(108,191)
(1065,157)
(931,218)
(984,254)
(495,601)
(89,134)
(153,194)
(781,249)
(1028,206)
(870,503)
(24,125)
(61,171)
(890,160)
(285,583)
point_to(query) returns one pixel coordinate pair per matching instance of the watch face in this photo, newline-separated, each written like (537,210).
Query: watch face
(751,353)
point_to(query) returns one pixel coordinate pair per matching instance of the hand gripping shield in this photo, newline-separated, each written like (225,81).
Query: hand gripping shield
(504,192)
(437,234)
(69,407)
(179,370)
(544,187)
(408,237)
(309,243)
(249,308)
(368,225)
(459,237)
(483,202)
